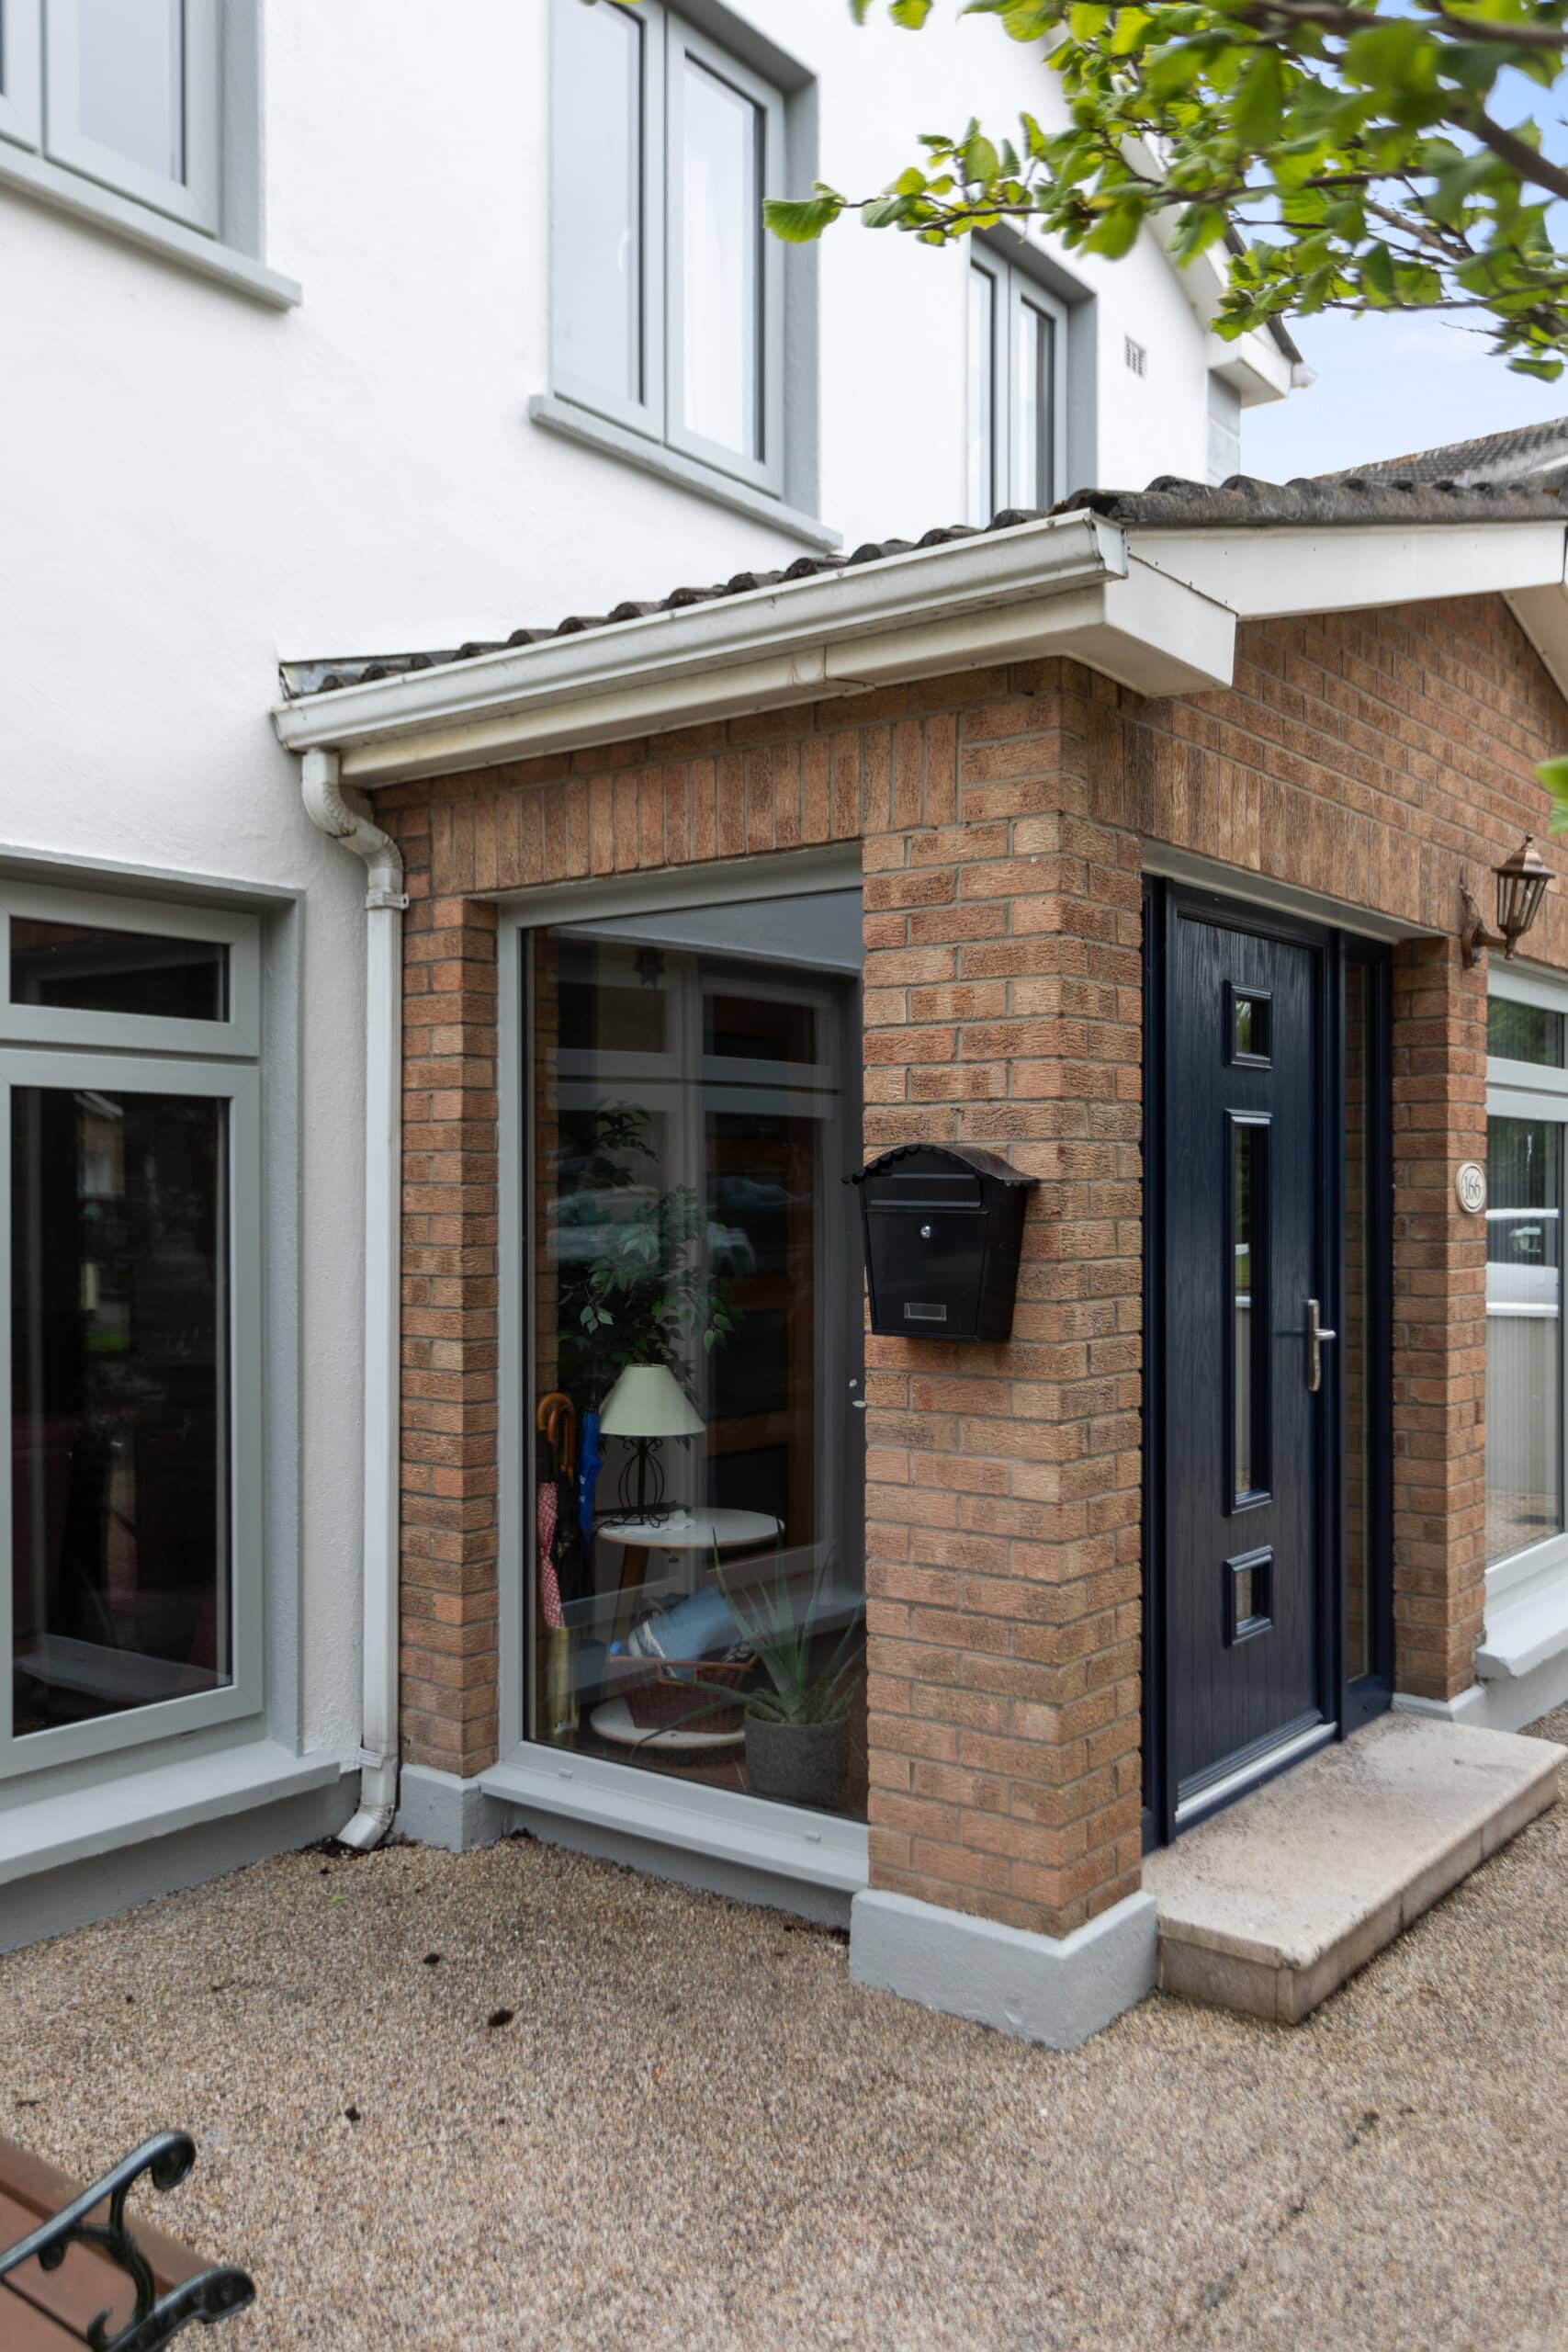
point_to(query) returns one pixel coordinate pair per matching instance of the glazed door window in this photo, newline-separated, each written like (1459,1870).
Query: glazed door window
(697,1333)
(130,1279)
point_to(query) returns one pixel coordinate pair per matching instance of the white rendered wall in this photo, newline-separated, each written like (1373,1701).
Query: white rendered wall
(195,486)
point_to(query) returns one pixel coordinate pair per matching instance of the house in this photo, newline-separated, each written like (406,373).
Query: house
(325,334)
(1536,454)
(638,837)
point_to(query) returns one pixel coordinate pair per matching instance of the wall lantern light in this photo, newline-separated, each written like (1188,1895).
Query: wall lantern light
(1521,886)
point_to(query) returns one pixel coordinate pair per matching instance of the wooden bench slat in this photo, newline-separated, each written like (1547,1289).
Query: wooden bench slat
(24,2328)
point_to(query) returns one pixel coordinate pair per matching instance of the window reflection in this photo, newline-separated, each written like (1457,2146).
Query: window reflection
(1524,1334)
(695,1524)
(120,1387)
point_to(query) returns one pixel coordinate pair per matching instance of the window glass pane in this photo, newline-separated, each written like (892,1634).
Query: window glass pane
(132,72)
(697,1339)
(1035,331)
(1249,1309)
(983,499)
(1356,1327)
(79,967)
(720,281)
(1524,1032)
(598,195)
(1524,1338)
(120,1388)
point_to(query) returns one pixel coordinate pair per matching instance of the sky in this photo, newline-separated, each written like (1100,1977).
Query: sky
(1387,387)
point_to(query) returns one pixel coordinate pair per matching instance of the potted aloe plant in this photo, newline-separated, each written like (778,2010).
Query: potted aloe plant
(797,1718)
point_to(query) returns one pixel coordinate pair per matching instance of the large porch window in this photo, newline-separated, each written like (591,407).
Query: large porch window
(130,1277)
(693,1536)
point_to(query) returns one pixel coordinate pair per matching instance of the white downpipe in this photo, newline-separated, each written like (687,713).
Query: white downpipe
(343,815)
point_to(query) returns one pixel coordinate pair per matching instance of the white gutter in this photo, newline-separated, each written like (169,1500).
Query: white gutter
(342,815)
(1064,585)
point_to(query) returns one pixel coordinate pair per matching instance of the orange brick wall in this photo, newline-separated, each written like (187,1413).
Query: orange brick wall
(1366,756)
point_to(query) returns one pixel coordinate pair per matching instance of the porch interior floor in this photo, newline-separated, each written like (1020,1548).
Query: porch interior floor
(1268,1907)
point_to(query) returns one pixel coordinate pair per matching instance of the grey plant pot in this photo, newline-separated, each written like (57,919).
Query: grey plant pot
(799,1763)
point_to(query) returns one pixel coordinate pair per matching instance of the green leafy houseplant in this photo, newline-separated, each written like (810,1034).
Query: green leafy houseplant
(646,1296)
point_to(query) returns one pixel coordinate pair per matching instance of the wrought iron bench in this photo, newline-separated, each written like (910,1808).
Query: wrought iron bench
(76,2275)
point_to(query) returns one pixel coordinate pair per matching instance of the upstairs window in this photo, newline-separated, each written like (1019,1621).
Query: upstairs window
(668,294)
(125,93)
(1017,410)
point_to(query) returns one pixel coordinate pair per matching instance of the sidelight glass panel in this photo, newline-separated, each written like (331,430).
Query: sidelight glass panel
(1524,1032)
(132,80)
(600,255)
(697,1344)
(1524,1334)
(1356,1321)
(983,499)
(721,286)
(120,1468)
(82,967)
(1249,1308)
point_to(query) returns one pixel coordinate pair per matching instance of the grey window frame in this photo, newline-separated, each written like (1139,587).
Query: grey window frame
(669,40)
(21,73)
(1014,290)
(126,1070)
(39,1024)
(1532,1090)
(213,225)
(197,201)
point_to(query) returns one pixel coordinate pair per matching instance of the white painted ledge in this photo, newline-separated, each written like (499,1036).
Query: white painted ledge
(136,224)
(131,1807)
(743,1833)
(590,432)
(1057,1991)
(1526,1626)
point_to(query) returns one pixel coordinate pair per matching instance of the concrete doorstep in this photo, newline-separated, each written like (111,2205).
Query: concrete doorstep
(1271,1906)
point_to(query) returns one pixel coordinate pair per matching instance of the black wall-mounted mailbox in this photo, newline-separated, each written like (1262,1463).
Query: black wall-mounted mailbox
(943,1231)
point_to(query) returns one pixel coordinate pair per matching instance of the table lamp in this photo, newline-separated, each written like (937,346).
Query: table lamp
(647,1405)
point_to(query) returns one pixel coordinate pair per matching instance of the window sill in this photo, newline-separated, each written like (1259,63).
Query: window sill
(593,431)
(100,208)
(1526,1625)
(99,1816)
(749,1833)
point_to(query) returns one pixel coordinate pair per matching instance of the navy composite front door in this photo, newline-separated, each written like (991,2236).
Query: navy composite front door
(1246,1371)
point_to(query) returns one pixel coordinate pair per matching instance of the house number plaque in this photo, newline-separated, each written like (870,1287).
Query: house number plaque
(1469,1184)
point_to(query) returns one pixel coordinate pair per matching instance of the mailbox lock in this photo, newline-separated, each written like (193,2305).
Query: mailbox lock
(925,1233)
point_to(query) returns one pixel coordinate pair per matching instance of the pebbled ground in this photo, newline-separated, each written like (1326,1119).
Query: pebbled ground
(516,2099)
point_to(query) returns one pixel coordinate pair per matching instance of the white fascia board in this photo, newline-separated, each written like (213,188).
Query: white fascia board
(1265,574)
(1253,366)
(1063,585)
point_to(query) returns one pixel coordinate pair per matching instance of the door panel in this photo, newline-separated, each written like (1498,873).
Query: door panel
(1242,1152)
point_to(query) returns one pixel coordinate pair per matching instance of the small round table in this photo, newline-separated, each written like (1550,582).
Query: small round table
(683,1531)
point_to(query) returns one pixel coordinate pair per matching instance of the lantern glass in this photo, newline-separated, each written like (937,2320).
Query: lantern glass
(1521,886)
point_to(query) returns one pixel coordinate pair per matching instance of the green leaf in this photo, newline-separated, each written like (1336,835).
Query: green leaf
(911,14)
(1553,774)
(799,220)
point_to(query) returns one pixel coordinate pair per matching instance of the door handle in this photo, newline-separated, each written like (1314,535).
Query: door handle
(1316,1334)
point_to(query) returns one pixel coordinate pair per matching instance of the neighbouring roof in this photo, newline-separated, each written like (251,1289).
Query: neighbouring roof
(1533,453)
(1375,496)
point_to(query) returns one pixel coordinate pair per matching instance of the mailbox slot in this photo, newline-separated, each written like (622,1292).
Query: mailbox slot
(943,1229)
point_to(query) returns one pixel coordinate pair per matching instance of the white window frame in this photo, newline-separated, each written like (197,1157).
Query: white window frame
(21,73)
(1013,289)
(196,199)
(238,1084)
(1533,1091)
(668,42)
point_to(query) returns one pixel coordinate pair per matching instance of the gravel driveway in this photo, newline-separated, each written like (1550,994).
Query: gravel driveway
(520,2099)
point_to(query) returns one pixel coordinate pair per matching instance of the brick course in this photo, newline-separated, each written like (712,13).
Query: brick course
(1366,756)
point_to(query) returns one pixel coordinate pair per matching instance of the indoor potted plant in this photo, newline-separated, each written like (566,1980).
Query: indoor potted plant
(796,1717)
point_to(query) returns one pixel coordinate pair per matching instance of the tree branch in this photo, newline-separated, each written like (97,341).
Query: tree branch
(1517,152)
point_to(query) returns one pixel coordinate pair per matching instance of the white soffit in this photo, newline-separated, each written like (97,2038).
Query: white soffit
(1061,586)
